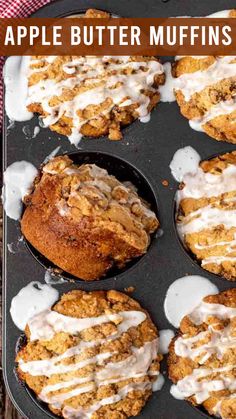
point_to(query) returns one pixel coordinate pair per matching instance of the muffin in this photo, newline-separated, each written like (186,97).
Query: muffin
(91,95)
(205,89)
(93,355)
(206,214)
(84,220)
(202,358)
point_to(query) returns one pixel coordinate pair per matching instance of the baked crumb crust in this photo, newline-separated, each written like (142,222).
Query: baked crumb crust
(213,244)
(220,402)
(84,220)
(81,305)
(93,96)
(203,104)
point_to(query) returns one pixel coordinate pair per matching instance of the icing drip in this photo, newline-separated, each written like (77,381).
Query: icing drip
(15,79)
(166,335)
(184,294)
(17,182)
(30,300)
(167,90)
(184,161)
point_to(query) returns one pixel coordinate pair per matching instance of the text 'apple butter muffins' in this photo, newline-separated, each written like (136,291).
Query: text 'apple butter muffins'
(202,358)
(84,220)
(206,214)
(94,355)
(205,89)
(93,96)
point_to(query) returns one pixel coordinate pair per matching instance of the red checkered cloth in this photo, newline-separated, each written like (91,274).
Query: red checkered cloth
(16,8)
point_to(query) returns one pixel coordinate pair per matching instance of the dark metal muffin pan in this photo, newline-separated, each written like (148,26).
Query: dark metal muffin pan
(149,148)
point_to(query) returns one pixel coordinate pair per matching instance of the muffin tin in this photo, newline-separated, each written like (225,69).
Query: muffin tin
(148,150)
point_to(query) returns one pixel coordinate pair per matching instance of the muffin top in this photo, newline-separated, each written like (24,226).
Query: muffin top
(202,358)
(206,214)
(92,355)
(91,95)
(205,90)
(84,220)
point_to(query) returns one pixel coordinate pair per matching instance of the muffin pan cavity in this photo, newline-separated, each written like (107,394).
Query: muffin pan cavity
(123,172)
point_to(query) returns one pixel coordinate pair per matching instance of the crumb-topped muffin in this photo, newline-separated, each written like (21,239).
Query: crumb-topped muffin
(94,355)
(91,95)
(84,220)
(205,89)
(202,358)
(206,214)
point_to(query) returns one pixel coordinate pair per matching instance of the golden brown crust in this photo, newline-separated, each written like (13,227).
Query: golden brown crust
(203,244)
(84,220)
(221,127)
(180,367)
(104,118)
(82,304)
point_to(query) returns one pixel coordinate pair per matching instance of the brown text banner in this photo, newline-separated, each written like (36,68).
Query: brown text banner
(118,36)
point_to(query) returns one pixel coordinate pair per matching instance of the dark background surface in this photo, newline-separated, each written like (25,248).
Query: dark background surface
(150,148)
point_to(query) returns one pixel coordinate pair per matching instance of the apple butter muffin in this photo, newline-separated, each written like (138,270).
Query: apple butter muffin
(93,355)
(206,214)
(205,89)
(91,95)
(202,358)
(84,220)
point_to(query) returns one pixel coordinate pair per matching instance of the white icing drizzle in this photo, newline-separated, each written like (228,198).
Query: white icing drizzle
(229,249)
(17,182)
(207,217)
(135,366)
(184,161)
(214,341)
(190,385)
(204,310)
(167,89)
(221,108)
(190,83)
(124,89)
(204,184)
(185,293)
(218,343)
(47,323)
(30,300)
